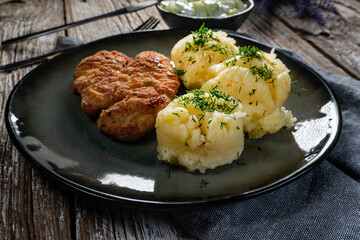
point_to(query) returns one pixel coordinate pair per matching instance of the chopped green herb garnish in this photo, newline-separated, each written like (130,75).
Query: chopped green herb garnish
(222,124)
(186,144)
(192,118)
(204,183)
(303,89)
(176,114)
(201,38)
(240,159)
(252,92)
(192,60)
(218,48)
(250,52)
(168,172)
(201,117)
(147,82)
(264,72)
(246,54)
(209,101)
(179,72)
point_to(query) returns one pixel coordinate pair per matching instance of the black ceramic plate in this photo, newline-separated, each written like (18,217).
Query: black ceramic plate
(47,125)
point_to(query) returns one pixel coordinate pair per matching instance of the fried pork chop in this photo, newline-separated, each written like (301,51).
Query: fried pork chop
(126,93)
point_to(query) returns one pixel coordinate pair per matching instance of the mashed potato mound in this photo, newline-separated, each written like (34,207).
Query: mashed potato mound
(262,83)
(195,53)
(242,90)
(200,130)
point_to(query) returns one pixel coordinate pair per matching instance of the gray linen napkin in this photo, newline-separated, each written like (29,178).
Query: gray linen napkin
(323,204)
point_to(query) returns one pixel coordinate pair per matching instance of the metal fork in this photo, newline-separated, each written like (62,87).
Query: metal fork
(150,23)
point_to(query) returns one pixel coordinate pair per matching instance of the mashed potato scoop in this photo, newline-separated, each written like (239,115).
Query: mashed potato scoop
(262,83)
(195,53)
(201,130)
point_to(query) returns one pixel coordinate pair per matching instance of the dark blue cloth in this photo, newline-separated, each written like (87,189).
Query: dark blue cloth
(323,204)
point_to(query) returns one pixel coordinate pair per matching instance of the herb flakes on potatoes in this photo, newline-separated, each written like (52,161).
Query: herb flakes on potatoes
(262,83)
(195,53)
(201,130)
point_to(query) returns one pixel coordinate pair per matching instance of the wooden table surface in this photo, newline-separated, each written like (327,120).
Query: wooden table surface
(33,207)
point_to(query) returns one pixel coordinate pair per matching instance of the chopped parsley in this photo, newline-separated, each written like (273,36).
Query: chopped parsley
(240,159)
(217,48)
(250,52)
(208,101)
(179,72)
(194,120)
(203,183)
(192,60)
(201,38)
(246,54)
(176,114)
(252,92)
(201,117)
(264,72)
(168,172)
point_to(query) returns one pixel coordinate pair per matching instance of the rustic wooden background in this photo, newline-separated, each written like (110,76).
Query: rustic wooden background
(31,206)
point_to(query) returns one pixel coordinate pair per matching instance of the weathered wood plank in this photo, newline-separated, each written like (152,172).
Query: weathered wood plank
(31,207)
(77,10)
(338,40)
(278,34)
(102,221)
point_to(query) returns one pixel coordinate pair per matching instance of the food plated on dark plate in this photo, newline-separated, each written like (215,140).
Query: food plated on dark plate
(47,124)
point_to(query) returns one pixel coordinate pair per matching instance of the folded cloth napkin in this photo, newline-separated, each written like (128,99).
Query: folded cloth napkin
(323,204)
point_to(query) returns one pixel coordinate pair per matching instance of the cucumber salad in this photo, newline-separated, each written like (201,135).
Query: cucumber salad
(204,8)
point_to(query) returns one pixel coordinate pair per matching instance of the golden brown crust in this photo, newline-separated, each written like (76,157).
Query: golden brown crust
(92,69)
(126,92)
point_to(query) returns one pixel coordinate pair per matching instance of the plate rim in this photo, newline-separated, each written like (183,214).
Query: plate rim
(75,187)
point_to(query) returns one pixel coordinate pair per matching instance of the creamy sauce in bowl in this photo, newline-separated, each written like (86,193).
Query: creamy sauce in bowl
(204,8)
